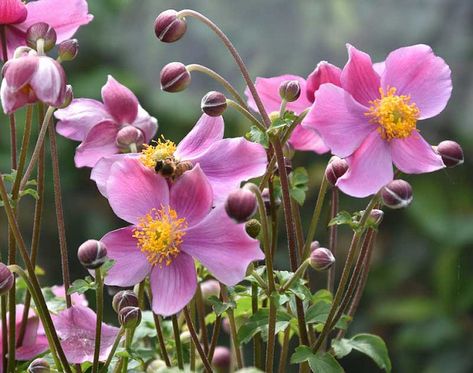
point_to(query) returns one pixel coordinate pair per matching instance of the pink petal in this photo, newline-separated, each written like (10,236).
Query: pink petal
(146,123)
(76,298)
(49,81)
(19,71)
(12,11)
(102,169)
(131,265)
(28,352)
(339,119)
(305,139)
(359,78)
(173,286)
(120,102)
(222,246)
(15,38)
(205,132)
(99,142)
(379,67)
(416,71)
(133,190)
(76,120)
(414,155)
(13,100)
(370,168)
(324,73)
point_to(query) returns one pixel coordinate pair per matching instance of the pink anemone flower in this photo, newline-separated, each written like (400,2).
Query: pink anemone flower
(225,162)
(64,16)
(99,125)
(76,298)
(371,120)
(172,226)
(75,327)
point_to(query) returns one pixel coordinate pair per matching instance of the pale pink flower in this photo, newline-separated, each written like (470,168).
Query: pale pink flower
(76,298)
(371,120)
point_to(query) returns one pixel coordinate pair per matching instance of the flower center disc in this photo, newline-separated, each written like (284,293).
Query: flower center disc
(162,149)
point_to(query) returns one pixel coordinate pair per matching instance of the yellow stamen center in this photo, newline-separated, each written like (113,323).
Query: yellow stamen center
(161,150)
(159,235)
(395,115)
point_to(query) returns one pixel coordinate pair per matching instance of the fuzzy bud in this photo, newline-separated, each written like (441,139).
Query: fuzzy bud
(41,31)
(376,216)
(175,77)
(124,298)
(222,359)
(129,317)
(214,103)
(68,49)
(6,279)
(321,259)
(92,254)
(68,97)
(210,288)
(129,135)
(241,205)
(168,27)
(39,366)
(336,168)
(253,227)
(397,194)
(314,245)
(451,153)
(290,90)
(155,366)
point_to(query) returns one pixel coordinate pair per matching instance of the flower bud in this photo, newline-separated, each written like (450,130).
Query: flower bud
(241,205)
(321,259)
(6,279)
(39,366)
(290,90)
(214,103)
(68,49)
(253,227)
(129,317)
(124,298)
(267,201)
(314,245)
(397,194)
(451,153)
(336,168)
(210,288)
(92,254)
(41,31)
(168,27)
(376,216)
(129,135)
(12,12)
(68,97)
(222,359)
(155,366)
(287,165)
(174,77)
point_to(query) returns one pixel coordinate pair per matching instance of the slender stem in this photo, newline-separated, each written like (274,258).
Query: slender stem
(199,302)
(260,280)
(128,340)
(274,217)
(162,343)
(297,275)
(214,339)
(233,330)
(196,341)
(270,346)
(284,350)
(299,230)
(257,339)
(246,114)
(333,238)
(177,340)
(11,303)
(112,351)
(4,301)
(192,347)
(98,325)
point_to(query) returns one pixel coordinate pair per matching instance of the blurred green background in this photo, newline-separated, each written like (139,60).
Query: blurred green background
(420,292)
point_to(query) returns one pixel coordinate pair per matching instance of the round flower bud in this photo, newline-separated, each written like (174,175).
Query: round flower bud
(39,366)
(129,135)
(290,90)
(92,254)
(168,27)
(129,317)
(222,359)
(314,245)
(287,165)
(174,77)
(68,97)
(336,168)
(210,288)
(241,205)
(214,103)
(451,153)
(321,259)
(41,31)
(68,49)
(267,201)
(124,298)
(253,227)
(397,194)
(6,279)
(376,216)
(155,366)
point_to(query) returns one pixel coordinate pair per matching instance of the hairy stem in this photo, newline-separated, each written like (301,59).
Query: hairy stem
(98,325)
(195,340)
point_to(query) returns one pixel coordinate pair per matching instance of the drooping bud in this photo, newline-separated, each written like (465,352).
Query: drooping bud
(214,103)
(39,366)
(336,168)
(12,12)
(68,49)
(168,27)
(175,77)
(451,153)
(321,259)
(124,298)
(155,366)
(210,288)
(397,194)
(222,359)
(287,165)
(6,279)
(129,135)
(68,97)
(290,90)
(376,216)
(253,227)
(92,254)
(41,32)
(267,201)
(314,245)
(129,317)
(241,205)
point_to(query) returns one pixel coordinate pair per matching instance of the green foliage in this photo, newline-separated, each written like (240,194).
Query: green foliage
(258,323)
(258,136)
(299,184)
(318,363)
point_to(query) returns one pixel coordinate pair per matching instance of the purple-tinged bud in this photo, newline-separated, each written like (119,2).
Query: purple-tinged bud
(222,359)
(12,12)
(39,366)
(287,165)
(336,168)
(267,201)
(168,27)
(6,279)
(314,245)
(41,31)
(214,103)
(155,366)
(124,298)
(241,205)
(451,153)
(92,254)
(397,194)
(376,216)
(175,77)
(290,90)
(210,288)
(68,97)
(321,259)
(129,317)
(252,228)
(68,49)
(129,135)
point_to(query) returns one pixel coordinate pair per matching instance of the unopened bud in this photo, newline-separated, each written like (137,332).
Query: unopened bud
(214,103)
(124,298)
(174,77)
(168,27)
(92,254)
(451,153)
(253,227)
(6,279)
(210,288)
(68,97)
(155,366)
(336,168)
(241,205)
(287,165)
(68,49)
(129,135)
(267,201)
(290,90)
(376,216)
(39,366)
(321,259)
(41,31)
(129,317)
(222,359)
(314,245)
(397,194)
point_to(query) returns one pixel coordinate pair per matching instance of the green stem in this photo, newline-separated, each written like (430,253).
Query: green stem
(98,325)
(177,340)
(128,340)
(333,238)
(162,343)
(233,329)
(296,276)
(260,280)
(112,351)
(284,350)
(195,339)
(246,113)
(214,339)
(199,302)
(257,339)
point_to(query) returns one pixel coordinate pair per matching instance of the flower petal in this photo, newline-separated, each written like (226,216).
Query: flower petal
(379,67)
(305,139)
(49,82)
(146,123)
(102,169)
(12,11)
(120,102)
(19,71)
(13,100)
(324,73)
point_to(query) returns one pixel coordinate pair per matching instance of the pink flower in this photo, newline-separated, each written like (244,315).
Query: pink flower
(29,78)
(225,162)
(372,118)
(64,16)
(75,327)
(98,124)
(76,298)
(172,226)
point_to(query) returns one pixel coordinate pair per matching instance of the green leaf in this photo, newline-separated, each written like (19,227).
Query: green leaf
(318,313)
(256,135)
(302,353)
(81,286)
(299,180)
(220,307)
(319,363)
(106,267)
(259,323)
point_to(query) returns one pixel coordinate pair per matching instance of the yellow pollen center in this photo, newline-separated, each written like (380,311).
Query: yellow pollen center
(159,235)
(395,115)
(161,150)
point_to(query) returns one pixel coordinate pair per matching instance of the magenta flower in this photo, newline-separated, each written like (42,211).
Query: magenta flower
(372,118)
(172,226)
(225,162)
(75,327)
(64,16)
(99,125)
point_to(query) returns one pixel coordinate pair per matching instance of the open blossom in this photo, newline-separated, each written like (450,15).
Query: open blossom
(371,120)
(225,162)
(172,226)
(100,125)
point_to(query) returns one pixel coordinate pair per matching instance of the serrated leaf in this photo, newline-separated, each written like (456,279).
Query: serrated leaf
(81,286)
(302,353)
(318,313)
(258,136)
(106,267)
(259,323)
(298,181)
(220,307)
(319,363)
